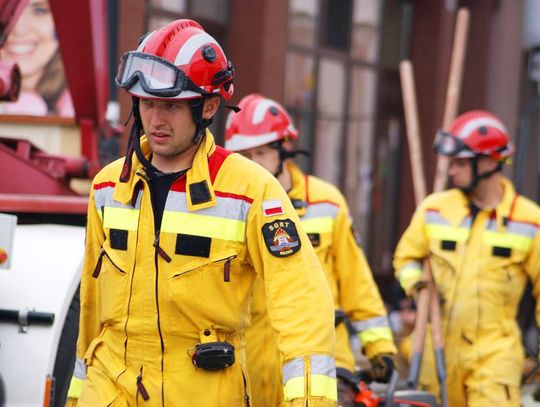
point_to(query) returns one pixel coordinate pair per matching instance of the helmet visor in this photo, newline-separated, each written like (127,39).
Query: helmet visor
(157,76)
(449,145)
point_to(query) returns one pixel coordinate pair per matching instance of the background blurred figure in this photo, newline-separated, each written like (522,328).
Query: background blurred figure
(33,45)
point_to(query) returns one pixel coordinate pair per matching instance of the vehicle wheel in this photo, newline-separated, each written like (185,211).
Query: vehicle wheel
(67,349)
(2,393)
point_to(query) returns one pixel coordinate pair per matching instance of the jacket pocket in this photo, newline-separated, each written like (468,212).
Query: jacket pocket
(208,289)
(112,279)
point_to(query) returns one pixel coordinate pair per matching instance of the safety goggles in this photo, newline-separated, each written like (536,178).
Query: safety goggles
(449,145)
(157,76)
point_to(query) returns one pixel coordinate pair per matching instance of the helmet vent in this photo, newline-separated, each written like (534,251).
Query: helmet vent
(273,110)
(483,130)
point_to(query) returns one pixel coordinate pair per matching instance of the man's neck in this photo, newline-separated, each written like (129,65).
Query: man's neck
(285,178)
(175,163)
(488,193)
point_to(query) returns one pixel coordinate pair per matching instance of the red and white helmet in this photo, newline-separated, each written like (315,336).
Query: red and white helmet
(178,61)
(260,121)
(475,133)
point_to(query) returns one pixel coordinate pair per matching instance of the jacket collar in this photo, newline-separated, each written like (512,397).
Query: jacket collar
(199,189)
(298,194)
(457,212)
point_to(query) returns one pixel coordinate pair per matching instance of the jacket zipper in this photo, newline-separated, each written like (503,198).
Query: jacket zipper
(160,251)
(246,395)
(158,248)
(226,268)
(97,269)
(140,387)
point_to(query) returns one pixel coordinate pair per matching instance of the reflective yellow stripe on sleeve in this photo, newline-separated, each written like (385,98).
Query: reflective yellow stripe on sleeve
(322,377)
(373,329)
(375,334)
(409,275)
(75,388)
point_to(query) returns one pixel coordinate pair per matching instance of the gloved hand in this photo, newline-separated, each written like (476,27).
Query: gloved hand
(382,366)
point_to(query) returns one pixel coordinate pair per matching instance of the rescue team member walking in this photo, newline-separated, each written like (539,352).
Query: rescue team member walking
(177,232)
(482,241)
(262,131)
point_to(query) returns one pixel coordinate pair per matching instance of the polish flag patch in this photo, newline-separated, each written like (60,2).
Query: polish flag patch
(272,207)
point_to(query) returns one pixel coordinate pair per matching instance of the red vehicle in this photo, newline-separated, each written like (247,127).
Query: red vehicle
(41,253)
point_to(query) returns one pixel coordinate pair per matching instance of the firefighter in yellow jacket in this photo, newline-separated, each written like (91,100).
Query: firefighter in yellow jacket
(177,233)
(483,243)
(262,131)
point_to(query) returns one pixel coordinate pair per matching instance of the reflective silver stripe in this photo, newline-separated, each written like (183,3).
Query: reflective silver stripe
(321,210)
(522,228)
(434,218)
(292,369)
(104,197)
(466,223)
(323,365)
(80,369)
(376,322)
(412,265)
(228,208)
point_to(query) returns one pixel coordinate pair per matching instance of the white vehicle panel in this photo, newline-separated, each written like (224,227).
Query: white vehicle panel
(44,274)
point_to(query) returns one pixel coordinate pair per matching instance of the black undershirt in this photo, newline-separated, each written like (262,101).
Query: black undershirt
(160,183)
(474,211)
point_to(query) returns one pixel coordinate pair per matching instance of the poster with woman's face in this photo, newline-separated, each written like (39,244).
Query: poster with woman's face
(33,45)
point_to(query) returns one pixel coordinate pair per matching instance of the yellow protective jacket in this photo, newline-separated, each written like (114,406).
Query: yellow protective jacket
(148,299)
(325,218)
(480,269)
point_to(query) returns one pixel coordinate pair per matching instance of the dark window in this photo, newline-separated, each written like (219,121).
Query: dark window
(337,24)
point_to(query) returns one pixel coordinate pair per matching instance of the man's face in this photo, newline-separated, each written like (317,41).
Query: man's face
(461,173)
(265,155)
(168,125)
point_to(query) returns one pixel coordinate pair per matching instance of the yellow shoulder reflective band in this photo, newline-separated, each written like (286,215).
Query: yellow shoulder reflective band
(447,232)
(226,220)
(319,217)
(120,218)
(518,235)
(437,227)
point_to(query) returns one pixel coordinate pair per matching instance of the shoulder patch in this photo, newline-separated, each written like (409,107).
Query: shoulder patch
(281,238)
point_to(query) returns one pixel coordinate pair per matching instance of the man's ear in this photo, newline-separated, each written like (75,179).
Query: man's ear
(211,105)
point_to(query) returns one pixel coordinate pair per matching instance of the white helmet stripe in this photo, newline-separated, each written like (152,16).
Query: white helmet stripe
(479,122)
(143,43)
(240,142)
(260,110)
(191,46)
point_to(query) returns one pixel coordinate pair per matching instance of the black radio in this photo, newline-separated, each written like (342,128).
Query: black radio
(213,355)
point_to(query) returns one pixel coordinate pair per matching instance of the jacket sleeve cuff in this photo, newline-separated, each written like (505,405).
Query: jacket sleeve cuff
(310,377)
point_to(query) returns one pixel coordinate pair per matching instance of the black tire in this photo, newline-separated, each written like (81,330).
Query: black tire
(67,349)
(2,393)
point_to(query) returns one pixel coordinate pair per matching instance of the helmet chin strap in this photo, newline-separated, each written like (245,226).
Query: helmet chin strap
(201,124)
(284,155)
(134,141)
(476,177)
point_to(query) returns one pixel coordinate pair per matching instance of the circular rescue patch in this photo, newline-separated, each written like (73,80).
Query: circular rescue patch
(281,237)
